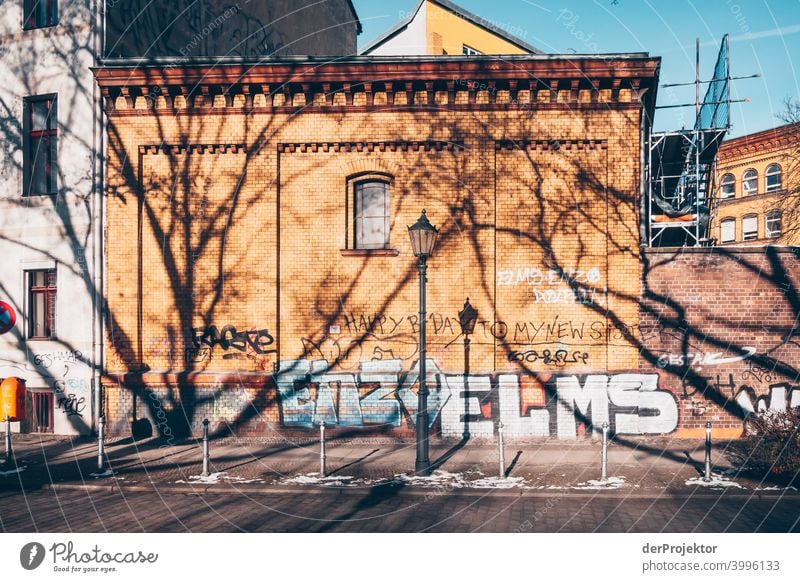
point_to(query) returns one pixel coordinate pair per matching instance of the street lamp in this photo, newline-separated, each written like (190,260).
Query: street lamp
(423,238)
(467,318)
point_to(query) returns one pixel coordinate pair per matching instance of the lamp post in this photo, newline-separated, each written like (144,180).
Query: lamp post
(467,318)
(423,238)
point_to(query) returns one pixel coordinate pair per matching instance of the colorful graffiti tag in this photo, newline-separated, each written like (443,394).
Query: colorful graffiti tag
(555,405)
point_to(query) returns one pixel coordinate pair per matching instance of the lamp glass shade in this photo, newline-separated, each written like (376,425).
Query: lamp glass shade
(423,236)
(467,318)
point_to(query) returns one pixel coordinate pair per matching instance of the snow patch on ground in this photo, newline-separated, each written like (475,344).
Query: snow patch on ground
(12,472)
(438,478)
(211,479)
(216,478)
(610,483)
(717,480)
(498,483)
(106,473)
(315,479)
(776,488)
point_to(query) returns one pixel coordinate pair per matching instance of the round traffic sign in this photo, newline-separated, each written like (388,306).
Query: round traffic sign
(8,317)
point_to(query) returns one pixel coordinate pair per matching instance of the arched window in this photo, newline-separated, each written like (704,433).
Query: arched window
(773,224)
(727,227)
(749,183)
(773,178)
(727,186)
(750,227)
(371,205)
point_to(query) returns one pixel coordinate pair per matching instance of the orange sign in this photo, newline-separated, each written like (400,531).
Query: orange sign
(12,399)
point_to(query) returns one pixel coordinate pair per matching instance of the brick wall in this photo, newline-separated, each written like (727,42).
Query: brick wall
(234,291)
(719,323)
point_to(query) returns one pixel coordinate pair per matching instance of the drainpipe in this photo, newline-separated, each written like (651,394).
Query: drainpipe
(98,290)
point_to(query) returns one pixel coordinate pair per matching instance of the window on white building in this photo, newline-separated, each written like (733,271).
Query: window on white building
(40,13)
(42,304)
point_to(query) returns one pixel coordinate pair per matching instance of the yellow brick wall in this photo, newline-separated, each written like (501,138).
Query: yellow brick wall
(253,239)
(762,202)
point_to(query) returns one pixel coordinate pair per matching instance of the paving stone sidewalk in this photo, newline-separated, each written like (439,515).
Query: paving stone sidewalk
(643,467)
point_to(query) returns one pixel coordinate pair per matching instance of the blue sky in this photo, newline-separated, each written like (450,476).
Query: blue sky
(765,39)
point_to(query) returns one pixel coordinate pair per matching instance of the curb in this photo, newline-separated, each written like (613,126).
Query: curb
(425,492)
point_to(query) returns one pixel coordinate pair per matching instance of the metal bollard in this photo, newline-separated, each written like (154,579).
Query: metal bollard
(707,476)
(322,469)
(501,447)
(604,455)
(205,472)
(101,444)
(9,454)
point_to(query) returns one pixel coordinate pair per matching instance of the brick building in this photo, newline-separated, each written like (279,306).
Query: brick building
(755,174)
(260,275)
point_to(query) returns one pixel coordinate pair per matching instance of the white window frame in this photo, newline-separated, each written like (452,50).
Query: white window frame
(748,235)
(722,224)
(752,179)
(727,195)
(358,219)
(773,170)
(770,219)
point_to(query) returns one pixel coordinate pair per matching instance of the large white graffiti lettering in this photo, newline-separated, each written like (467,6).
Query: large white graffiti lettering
(382,394)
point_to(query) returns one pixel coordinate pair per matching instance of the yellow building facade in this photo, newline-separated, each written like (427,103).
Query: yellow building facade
(754,178)
(440,27)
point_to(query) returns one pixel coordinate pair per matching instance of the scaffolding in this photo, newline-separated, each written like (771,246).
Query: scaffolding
(680,163)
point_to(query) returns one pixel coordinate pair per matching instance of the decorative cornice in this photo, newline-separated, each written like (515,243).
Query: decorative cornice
(370,146)
(777,138)
(527,83)
(551,144)
(196,148)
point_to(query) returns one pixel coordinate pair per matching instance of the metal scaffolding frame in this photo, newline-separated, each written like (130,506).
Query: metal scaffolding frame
(680,163)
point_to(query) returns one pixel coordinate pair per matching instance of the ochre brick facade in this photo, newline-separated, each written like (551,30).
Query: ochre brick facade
(235,291)
(758,152)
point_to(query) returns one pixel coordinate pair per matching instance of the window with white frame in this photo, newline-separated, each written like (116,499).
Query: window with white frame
(773,224)
(773,176)
(750,183)
(750,227)
(727,229)
(468,50)
(371,205)
(727,186)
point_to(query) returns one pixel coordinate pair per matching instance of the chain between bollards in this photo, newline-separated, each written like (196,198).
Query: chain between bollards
(101,444)
(707,475)
(9,454)
(501,449)
(323,472)
(206,455)
(604,455)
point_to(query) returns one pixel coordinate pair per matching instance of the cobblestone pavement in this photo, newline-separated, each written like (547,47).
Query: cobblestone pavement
(389,509)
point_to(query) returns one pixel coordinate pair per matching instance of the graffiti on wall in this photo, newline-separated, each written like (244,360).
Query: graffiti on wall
(557,286)
(253,344)
(382,394)
(700,359)
(69,395)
